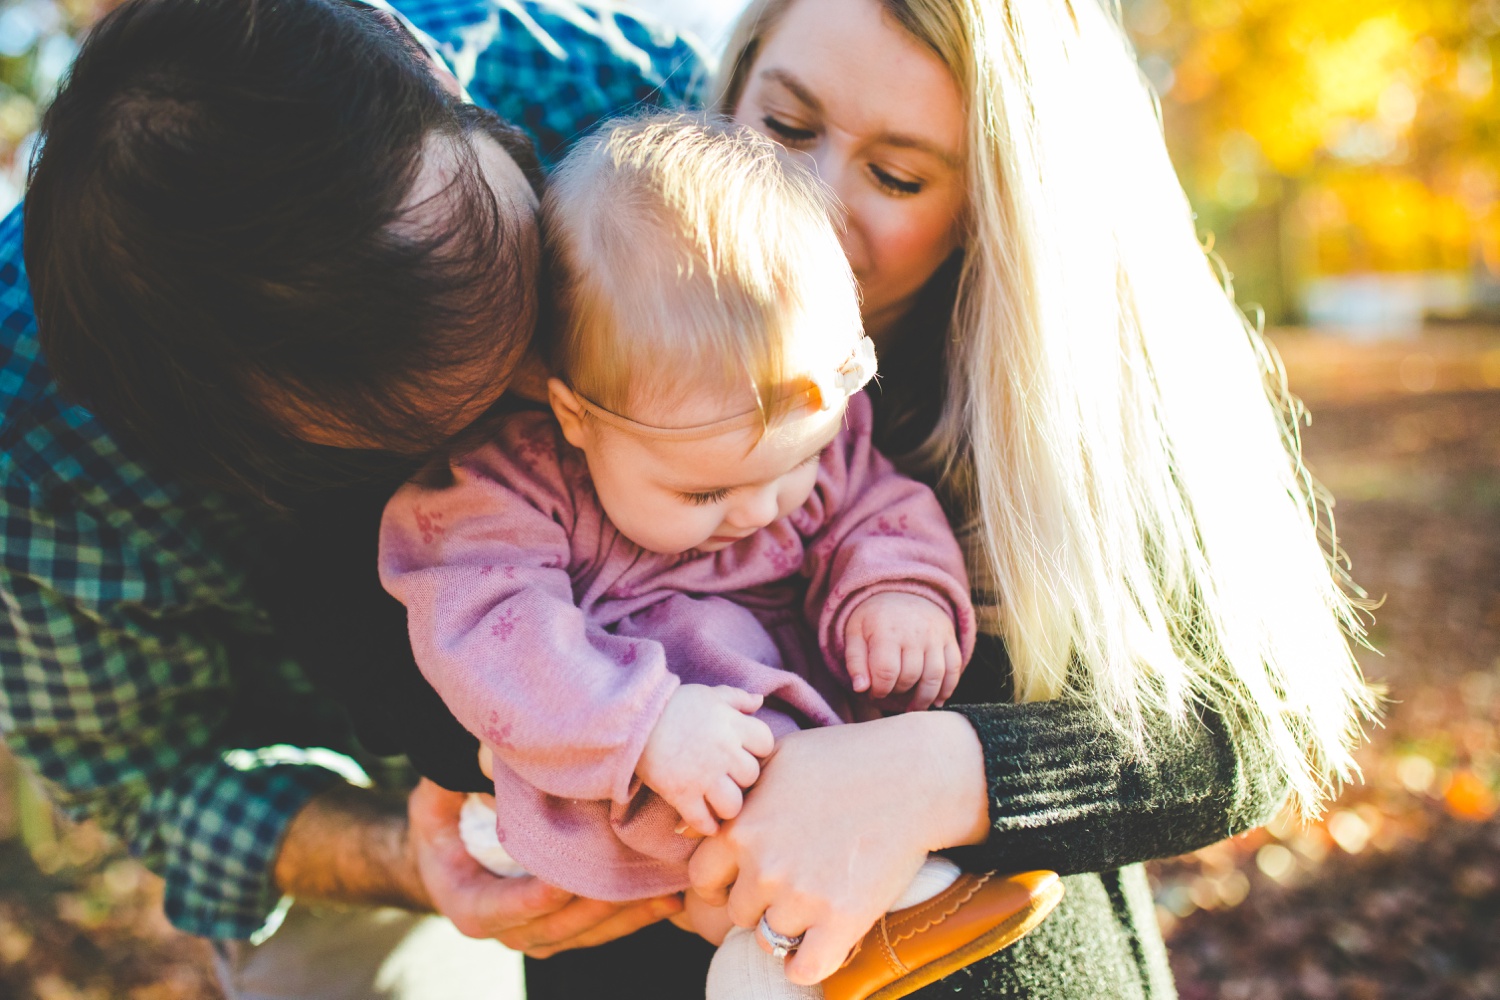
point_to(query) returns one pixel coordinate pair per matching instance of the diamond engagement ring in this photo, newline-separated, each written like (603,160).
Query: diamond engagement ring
(781,945)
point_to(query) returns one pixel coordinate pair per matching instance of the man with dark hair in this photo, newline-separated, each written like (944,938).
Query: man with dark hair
(278,261)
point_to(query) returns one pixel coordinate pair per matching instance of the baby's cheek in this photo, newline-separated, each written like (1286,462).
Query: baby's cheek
(800,487)
(688,526)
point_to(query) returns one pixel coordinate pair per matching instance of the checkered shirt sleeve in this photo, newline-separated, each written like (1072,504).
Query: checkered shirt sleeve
(558,67)
(138,676)
(115,645)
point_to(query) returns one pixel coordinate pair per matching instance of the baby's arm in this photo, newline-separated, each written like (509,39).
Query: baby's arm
(482,567)
(888,591)
(704,751)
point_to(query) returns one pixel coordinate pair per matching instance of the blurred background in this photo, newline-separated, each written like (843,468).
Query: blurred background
(1344,161)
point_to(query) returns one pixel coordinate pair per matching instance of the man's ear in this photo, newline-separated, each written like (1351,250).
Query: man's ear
(569,412)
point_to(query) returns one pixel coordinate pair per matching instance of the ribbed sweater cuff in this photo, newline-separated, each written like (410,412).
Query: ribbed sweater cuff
(1044,758)
(1050,767)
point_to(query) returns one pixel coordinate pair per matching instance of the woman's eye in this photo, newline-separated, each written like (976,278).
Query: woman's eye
(705,499)
(893,184)
(789,134)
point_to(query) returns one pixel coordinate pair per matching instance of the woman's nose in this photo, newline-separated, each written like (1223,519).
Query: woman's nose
(832,168)
(839,173)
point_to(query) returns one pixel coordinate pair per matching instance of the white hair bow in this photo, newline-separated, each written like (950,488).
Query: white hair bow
(852,374)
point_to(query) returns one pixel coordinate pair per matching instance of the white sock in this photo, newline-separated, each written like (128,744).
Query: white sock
(476,828)
(935,875)
(742,971)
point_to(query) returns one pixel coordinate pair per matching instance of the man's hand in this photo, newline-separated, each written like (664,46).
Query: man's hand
(704,751)
(895,643)
(351,845)
(524,914)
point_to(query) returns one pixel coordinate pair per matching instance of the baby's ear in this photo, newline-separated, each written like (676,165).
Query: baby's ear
(568,411)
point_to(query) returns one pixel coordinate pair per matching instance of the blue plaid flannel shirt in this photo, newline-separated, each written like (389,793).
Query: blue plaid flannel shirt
(138,676)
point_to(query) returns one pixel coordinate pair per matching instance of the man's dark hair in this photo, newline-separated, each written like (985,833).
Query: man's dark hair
(216,231)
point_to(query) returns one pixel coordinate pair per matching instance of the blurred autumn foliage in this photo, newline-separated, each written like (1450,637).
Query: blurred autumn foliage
(1326,138)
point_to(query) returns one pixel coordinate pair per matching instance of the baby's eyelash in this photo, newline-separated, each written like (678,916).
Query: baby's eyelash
(714,496)
(705,499)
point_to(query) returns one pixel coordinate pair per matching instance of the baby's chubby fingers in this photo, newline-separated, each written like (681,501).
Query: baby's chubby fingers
(697,816)
(857,659)
(885,665)
(913,659)
(739,699)
(953,669)
(931,682)
(744,770)
(755,736)
(725,798)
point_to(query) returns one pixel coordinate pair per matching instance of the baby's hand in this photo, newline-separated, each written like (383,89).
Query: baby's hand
(703,753)
(901,642)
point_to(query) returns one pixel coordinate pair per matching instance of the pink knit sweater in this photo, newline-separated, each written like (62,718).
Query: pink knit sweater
(557,641)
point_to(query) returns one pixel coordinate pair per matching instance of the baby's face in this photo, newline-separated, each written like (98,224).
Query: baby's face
(673,496)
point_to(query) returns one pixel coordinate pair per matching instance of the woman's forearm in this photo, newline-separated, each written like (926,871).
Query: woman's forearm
(1071,792)
(948,777)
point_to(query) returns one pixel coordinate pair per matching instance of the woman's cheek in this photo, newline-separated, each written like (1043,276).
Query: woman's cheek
(929,233)
(904,251)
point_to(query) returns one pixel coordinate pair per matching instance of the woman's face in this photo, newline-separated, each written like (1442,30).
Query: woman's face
(882,120)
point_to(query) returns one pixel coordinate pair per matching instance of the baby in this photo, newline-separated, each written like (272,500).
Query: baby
(698,551)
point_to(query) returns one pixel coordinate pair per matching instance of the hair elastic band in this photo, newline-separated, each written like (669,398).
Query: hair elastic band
(695,433)
(849,377)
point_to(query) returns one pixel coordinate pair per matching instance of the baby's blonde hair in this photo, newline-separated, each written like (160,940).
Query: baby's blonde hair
(684,248)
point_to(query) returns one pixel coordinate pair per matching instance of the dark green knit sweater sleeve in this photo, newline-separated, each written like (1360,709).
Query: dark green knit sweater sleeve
(1069,792)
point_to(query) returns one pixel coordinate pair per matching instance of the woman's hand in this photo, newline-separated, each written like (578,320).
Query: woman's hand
(838,824)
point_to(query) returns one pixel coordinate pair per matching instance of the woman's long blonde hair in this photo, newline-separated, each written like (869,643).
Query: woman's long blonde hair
(1120,435)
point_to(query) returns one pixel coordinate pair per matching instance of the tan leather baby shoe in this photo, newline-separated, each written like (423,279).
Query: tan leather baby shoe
(974,917)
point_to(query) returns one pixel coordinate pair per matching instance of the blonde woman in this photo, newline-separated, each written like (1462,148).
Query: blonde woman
(1059,357)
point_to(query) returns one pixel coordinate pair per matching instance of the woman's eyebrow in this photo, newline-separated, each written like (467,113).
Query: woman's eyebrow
(898,140)
(797,87)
